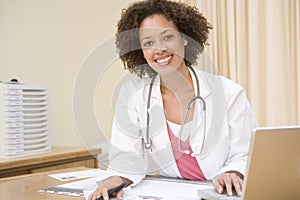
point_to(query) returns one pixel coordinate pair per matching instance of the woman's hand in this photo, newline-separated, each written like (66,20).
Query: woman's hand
(108,184)
(228,181)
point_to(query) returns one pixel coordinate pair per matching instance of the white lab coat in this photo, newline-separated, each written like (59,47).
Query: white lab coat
(229,124)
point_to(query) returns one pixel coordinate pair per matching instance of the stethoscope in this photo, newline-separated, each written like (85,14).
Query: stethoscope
(198,98)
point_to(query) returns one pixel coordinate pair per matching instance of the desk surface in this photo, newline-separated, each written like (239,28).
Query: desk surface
(26,186)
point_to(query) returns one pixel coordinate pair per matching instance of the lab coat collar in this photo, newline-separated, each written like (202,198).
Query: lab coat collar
(204,88)
(155,96)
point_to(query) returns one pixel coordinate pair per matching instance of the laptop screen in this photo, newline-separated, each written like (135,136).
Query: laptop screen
(273,170)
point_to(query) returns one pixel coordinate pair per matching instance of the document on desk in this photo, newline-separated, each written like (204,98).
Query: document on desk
(74,188)
(153,188)
(162,190)
(77,174)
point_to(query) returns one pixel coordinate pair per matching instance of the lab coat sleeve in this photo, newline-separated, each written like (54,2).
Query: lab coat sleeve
(241,122)
(125,155)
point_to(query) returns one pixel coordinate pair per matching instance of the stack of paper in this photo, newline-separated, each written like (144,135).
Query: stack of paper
(150,189)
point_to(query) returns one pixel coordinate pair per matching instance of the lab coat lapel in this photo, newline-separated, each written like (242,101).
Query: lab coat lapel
(212,91)
(162,153)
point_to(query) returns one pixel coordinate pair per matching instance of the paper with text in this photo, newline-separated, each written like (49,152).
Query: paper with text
(77,174)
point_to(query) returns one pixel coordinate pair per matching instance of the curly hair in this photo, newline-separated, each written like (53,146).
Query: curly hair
(188,20)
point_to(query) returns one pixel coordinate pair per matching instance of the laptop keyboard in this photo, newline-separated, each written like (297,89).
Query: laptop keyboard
(211,194)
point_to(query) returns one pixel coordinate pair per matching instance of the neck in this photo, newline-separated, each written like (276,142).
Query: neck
(177,82)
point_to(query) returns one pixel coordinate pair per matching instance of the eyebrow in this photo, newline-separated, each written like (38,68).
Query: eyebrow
(163,32)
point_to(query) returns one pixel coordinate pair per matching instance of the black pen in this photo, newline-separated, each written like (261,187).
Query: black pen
(111,191)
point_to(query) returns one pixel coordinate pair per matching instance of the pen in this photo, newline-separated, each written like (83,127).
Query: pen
(115,189)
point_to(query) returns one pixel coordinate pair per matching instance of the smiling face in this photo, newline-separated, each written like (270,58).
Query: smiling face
(162,44)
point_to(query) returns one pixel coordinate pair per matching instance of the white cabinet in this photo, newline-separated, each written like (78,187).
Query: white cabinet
(24,120)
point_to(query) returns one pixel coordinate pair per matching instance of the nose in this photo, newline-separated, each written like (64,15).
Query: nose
(160,49)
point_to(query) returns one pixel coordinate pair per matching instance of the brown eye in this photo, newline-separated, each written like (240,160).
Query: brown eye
(168,37)
(148,44)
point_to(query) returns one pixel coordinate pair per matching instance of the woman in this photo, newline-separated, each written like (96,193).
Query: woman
(158,128)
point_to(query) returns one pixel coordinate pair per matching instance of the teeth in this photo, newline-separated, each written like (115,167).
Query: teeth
(164,59)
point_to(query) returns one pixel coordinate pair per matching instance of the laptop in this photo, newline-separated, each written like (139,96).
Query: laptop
(273,170)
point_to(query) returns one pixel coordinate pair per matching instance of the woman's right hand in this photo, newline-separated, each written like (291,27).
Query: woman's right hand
(108,184)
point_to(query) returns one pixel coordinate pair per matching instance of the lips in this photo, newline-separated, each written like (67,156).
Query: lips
(164,60)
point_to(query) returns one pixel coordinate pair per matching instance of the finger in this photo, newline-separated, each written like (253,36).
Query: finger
(219,185)
(95,195)
(241,182)
(236,182)
(228,184)
(120,195)
(105,194)
(241,186)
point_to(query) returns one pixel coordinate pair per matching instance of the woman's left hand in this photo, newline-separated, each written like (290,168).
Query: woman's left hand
(228,181)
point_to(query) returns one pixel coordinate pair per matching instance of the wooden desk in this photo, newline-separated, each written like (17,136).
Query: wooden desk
(26,186)
(58,158)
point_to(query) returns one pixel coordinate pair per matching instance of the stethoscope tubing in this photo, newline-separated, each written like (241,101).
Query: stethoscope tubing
(148,141)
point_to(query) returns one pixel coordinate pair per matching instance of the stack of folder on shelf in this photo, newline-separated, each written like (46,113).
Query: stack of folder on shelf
(24,120)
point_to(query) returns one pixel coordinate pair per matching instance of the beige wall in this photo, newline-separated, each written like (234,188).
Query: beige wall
(45,42)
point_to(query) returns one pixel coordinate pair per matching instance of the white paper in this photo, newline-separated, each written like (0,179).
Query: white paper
(77,175)
(86,184)
(129,194)
(150,189)
(87,193)
(168,190)
(160,190)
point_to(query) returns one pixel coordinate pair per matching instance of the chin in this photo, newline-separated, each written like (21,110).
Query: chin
(165,70)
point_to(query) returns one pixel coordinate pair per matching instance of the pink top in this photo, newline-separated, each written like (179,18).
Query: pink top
(187,165)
